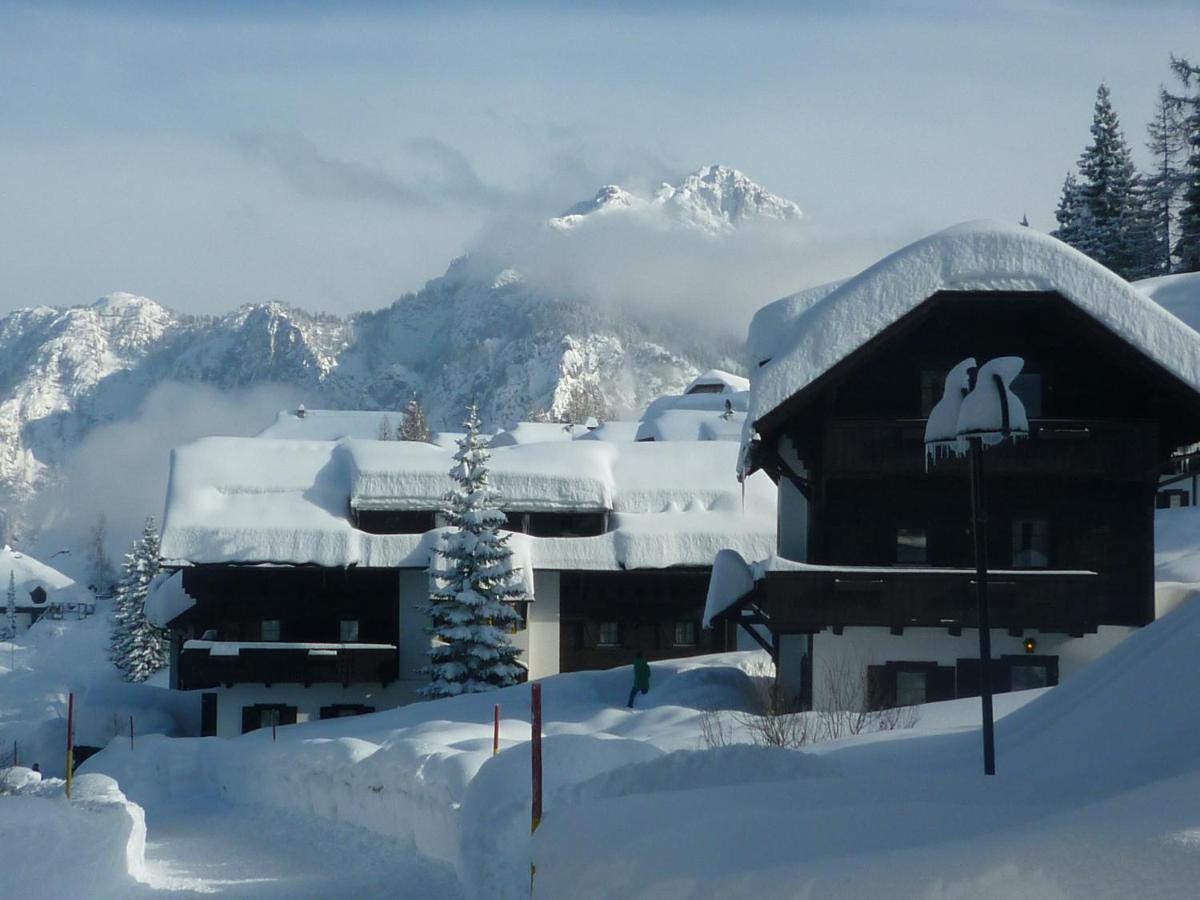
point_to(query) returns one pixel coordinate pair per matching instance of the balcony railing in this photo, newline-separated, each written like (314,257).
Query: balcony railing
(1060,447)
(809,600)
(206,664)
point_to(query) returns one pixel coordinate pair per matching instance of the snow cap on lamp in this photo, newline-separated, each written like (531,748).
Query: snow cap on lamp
(983,406)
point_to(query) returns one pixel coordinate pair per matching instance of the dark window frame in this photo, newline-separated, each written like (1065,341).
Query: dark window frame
(600,628)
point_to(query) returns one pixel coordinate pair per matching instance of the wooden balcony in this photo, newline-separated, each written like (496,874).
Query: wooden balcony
(1059,447)
(207,664)
(1050,601)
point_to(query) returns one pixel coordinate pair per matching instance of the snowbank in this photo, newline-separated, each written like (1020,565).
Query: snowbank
(92,845)
(426,774)
(1094,797)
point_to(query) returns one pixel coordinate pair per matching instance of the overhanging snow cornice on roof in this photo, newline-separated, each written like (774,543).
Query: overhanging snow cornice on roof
(970,258)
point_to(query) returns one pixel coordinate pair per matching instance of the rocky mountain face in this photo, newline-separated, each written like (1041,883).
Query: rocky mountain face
(476,334)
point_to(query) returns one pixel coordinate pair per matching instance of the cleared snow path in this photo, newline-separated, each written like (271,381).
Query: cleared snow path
(206,849)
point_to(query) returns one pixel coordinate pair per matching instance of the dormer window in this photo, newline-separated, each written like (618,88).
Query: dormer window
(38,595)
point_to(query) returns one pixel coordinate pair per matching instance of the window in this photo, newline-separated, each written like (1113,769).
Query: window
(1028,388)
(610,634)
(348,631)
(269,630)
(706,388)
(1030,544)
(910,688)
(264,715)
(685,634)
(1024,676)
(911,547)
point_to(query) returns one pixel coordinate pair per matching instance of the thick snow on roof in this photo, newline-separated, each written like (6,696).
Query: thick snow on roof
(975,256)
(530,477)
(256,500)
(28,573)
(1177,294)
(692,425)
(772,326)
(167,599)
(728,382)
(612,432)
(696,417)
(536,433)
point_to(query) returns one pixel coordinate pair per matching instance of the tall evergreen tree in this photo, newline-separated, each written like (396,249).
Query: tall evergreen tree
(138,648)
(1069,213)
(1167,140)
(473,585)
(10,607)
(1110,212)
(414,427)
(1187,246)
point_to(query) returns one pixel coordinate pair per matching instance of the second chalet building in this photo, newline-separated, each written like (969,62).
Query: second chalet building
(300,565)
(872,581)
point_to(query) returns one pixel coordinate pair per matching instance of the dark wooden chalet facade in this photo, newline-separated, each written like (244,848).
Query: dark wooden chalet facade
(1070,509)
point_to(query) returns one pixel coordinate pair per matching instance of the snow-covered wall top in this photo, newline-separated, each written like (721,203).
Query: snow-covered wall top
(811,336)
(259,500)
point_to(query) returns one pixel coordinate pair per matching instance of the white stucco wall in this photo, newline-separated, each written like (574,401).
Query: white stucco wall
(307,700)
(542,635)
(857,648)
(413,639)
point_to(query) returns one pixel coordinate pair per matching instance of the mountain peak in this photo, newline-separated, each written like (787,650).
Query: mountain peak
(718,197)
(611,197)
(122,303)
(714,199)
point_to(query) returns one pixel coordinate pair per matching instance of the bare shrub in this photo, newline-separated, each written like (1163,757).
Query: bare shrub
(715,729)
(846,708)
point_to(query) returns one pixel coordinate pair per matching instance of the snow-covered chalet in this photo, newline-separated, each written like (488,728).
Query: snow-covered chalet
(298,559)
(872,580)
(38,590)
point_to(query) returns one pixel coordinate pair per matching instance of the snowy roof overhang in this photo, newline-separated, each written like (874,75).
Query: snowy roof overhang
(250,501)
(818,331)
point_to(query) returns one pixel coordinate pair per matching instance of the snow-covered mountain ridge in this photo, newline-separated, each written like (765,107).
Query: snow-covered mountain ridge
(715,199)
(480,332)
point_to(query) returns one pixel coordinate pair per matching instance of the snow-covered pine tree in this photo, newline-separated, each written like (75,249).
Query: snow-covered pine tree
(473,585)
(138,648)
(385,429)
(10,608)
(414,427)
(1106,193)
(1166,143)
(1069,213)
(1187,246)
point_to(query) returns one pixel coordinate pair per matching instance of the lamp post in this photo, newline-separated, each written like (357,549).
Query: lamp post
(978,409)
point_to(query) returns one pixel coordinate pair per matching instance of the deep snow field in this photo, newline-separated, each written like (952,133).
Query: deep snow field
(1097,792)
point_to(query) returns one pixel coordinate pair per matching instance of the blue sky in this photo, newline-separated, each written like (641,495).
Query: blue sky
(215,154)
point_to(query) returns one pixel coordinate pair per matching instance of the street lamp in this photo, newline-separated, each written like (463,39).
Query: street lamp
(978,409)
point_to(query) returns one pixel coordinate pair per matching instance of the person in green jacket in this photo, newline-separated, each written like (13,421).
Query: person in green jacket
(641,677)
